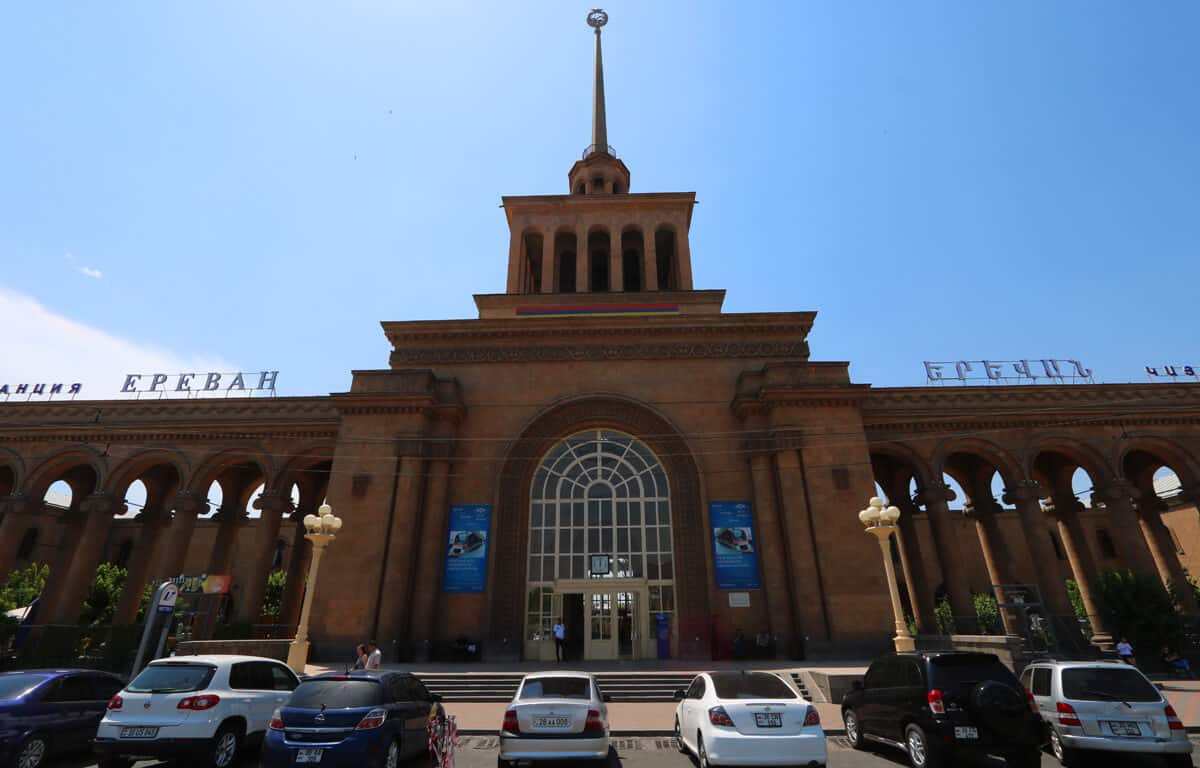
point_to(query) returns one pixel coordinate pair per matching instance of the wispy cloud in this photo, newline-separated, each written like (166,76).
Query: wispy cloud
(86,271)
(45,346)
(90,272)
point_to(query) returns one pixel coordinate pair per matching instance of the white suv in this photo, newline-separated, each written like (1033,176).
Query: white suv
(195,707)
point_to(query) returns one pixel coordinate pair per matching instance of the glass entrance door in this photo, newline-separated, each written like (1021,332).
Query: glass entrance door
(600,643)
(627,625)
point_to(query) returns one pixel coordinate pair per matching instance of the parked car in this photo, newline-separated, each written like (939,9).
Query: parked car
(360,718)
(1092,707)
(747,718)
(49,712)
(939,706)
(202,708)
(555,716)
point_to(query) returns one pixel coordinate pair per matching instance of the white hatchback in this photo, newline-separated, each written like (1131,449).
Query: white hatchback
(555,716)
(202,708)
(748,718)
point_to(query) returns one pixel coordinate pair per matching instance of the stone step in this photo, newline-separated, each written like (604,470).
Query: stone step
(621,687)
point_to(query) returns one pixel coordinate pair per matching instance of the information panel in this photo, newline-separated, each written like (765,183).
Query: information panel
(467,549)
(734,547)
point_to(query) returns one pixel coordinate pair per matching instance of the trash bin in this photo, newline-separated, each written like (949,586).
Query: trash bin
(663,633)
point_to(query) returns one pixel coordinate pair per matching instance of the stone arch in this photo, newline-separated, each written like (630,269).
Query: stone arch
(633,256)
(599,251)
(666,249)
(299,464)
(999,458)
(12,471)
(892,456)
(1142,454)
(533,251)
(132,468)
(1079,453)
(58,465)
(516,474)
(565,245)
(214,466)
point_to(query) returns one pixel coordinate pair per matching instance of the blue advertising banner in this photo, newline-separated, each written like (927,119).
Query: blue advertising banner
(734,549)
(467,549)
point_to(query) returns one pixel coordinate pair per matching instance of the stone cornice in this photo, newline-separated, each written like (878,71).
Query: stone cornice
(927,409)
(678,350)
(540,203)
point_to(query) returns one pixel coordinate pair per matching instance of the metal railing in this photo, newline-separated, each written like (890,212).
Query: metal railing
(596,149)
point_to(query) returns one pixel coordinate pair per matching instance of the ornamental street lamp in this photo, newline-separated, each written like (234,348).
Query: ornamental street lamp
(881,522)
(321,529)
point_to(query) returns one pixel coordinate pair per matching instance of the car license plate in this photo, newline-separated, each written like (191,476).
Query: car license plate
(768,719)
(1123,728)
(551,722)
(309,755)
(966,732)
(139,732)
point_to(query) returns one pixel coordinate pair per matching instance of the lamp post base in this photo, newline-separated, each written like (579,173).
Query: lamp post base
(904,644)
(298,656)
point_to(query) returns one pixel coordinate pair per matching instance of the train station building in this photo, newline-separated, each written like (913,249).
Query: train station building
(606,446)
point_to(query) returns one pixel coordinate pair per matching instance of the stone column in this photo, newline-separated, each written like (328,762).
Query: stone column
(989,537)
(170,562)
(98,510)
(297,570)
(934,498)
(684,256)
(807,600)
(1026,498)
(1083,567)
(402,550)
(231,518)
(18,516)
(582,273)
(616,261)
(649,262)
(1128,539)
(549,262)
(427,585)
(273,507)
(1162,550)
(920,596)
(71,530)
(516,261)
(153,521)
(775,566)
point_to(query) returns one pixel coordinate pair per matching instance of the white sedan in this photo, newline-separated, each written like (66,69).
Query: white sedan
(747,718)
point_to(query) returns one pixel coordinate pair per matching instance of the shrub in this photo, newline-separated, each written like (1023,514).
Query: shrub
(1138,607)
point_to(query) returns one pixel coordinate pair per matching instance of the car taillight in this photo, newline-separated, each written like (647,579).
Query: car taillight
(373,719)
(198,703)
(936,705)
(116,702)
(510,724)
(1173,719)
(718,716)
(812,717)
(594,723)
(276,723)
(1032,701)
(1066,714)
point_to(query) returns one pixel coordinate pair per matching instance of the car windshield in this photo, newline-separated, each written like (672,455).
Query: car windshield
(14,686)
(1107,684)
(958,673)
(336,694)
(557,688)
(751,685)
(172,678)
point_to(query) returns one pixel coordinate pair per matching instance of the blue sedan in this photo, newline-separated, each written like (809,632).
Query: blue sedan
(362,718)
(45,712)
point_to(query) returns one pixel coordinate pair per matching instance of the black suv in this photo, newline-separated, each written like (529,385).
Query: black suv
(937,706)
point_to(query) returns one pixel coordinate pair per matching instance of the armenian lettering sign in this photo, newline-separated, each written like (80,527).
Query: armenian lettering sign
(467,548)
(735,552)
(1172,372)
(1051,370)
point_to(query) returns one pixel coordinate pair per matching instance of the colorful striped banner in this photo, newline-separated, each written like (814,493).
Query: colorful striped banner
(611,310)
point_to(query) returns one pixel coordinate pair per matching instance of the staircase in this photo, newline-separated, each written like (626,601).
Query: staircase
(620,687)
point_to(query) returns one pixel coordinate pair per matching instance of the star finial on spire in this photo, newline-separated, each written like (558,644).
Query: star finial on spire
(596,19)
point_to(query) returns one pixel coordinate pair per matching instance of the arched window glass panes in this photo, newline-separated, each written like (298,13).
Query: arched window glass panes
(600,493)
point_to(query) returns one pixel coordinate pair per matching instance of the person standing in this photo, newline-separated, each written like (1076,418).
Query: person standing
(1125,652)
(560,641)
(360,656)
(374,655)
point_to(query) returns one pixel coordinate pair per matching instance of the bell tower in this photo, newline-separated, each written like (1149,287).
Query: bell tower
(599,238)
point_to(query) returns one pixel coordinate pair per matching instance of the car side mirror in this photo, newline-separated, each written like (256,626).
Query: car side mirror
(605,697)
(856,685)
(679,694)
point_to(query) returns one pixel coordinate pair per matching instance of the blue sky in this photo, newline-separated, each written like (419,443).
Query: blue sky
(258,185)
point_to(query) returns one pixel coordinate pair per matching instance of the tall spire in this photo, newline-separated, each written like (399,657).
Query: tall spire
(596,19)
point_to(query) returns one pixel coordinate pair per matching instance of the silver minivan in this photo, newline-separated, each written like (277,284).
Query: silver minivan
(1093,706)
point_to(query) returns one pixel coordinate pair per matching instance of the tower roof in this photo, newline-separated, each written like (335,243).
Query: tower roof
(596,19)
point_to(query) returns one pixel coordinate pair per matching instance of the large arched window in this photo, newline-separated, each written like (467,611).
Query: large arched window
(599,493)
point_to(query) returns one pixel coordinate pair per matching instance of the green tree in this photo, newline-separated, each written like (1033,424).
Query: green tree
(943,617)
(273,601)
(1139,607)
(1081,614)
(102,597)
(987,613)
(22,586)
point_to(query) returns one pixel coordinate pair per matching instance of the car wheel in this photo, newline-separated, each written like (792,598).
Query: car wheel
(921,753)
(392,759)
(33,752)
(225,747)
(679,738)
(1066,756)
(853,729)
(701,752)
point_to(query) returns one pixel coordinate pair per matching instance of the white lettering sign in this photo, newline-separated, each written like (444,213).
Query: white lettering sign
(200,384)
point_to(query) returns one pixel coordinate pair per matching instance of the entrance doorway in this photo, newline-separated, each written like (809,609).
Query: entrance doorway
(573,625)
